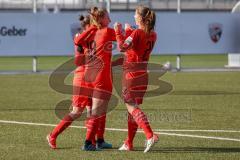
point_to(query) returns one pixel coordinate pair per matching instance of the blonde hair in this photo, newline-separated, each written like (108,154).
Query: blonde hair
(148,18)
(96,15)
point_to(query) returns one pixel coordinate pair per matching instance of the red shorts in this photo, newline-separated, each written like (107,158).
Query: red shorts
(134,86)
(80,97)
(100,81)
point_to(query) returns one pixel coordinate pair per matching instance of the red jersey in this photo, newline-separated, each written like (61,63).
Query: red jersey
(98,68)
(138,45)
(98,41)
(103,42)
(80,98)
(85,36)
(82,57)
(103,52)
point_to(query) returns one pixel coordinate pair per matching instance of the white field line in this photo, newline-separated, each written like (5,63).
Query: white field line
(125,130)
(197,136)
(115,129)
(196,130)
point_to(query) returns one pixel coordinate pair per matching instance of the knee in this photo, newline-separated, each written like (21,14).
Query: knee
(131,107)
(89,111)
(76,113)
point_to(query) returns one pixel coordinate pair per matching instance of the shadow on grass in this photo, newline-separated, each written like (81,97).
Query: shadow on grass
(181,150)
(169,150)
(195,150)
(203,93)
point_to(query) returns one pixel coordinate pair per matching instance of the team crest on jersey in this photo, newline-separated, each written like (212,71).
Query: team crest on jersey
(215,31)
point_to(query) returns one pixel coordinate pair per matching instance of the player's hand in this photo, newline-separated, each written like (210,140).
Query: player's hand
(92,28)
(117,26)
(127,26)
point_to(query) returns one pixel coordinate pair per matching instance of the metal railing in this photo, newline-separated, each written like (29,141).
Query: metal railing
(120,4)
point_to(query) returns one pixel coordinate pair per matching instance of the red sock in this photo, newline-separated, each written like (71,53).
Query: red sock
(86,124)
(101,126)
(67,121)
(132,129)
(92,126)
(142,122)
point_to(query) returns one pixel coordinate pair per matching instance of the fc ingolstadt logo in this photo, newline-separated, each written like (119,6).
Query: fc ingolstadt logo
(215,31)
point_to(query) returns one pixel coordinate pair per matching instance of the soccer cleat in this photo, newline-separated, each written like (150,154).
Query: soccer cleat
(125,147)
(88,146)
(104,145)
(150,143)
(51,141)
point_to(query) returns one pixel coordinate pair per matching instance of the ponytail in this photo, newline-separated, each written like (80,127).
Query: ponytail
(148,18)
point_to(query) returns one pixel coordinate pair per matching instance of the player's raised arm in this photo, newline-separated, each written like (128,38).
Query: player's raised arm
(123,42)
(128,30)
(79,55)
(79,39)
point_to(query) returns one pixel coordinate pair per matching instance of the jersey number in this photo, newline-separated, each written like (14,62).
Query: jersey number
(92,47)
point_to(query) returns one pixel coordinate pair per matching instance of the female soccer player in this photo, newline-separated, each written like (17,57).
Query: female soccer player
(80,101)
(99,69)
(79,81)
(138,47)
